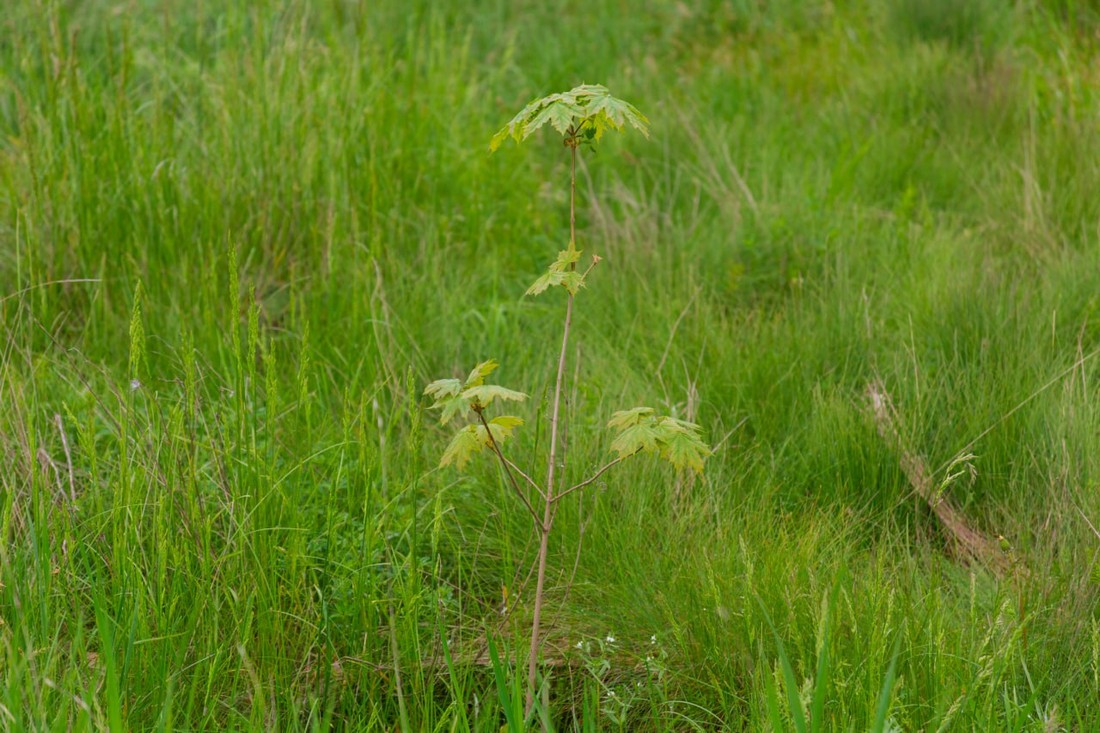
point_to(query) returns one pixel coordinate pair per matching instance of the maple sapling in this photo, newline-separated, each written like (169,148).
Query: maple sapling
(582,116)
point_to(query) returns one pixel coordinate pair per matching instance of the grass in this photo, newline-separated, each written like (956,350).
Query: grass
(237,239)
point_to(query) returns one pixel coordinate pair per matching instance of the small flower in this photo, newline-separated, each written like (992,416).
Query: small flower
(653,639)
(135,385)
(610,639)
(580,645)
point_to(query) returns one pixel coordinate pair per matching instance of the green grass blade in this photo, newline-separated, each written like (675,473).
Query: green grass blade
(794,703)
(884,695)
(504,692)
(821,680)
(775,718)
(110,657)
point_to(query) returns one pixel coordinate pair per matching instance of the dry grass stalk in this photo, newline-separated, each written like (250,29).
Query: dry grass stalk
(967,543)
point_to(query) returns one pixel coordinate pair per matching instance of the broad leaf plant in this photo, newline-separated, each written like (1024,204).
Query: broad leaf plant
(582,116)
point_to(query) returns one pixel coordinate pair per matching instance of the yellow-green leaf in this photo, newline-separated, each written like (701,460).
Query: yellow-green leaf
(566,257)
(452,407)
(443,388)
(465,444)
(502,428)
(448,399)
(571,281)
(507,423)
(484,394)
(626,418)
(684,449)
(679,442)
(482,370)
(641,436)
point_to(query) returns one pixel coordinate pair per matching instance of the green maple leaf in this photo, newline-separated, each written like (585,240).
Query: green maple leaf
(682,443)
(558,112)
(443,388)
(515,128)
(545,280)
(684,450)
(502,428)
(611,113)
(448,399)
(626,418)
(484,394)
(674,425)
(679,442)
(453,407)
(507,423)
(454,398)
(482,370)
(586,111)
(474,438)
(566,260)
(562,271)
(464,445)
(640,436)
(571,281)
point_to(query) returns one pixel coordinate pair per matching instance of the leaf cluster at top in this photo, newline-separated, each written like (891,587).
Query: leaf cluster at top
(677,441)
(583,113)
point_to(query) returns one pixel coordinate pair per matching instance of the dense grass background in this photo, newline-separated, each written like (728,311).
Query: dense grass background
(236,239)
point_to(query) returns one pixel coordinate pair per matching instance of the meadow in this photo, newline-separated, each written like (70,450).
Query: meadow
(238,239)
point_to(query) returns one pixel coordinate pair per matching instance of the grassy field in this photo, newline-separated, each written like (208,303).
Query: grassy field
(237,240)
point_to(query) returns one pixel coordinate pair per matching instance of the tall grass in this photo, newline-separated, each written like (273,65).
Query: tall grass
(237,238)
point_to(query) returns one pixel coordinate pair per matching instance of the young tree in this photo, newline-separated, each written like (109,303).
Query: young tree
(582,116)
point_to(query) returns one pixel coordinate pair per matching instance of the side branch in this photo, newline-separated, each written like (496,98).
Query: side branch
(508,471)
(525,477)
(595,476)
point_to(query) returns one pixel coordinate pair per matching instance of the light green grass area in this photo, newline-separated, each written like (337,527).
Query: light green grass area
(237,240)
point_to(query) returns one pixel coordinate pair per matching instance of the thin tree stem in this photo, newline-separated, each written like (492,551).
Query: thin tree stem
(526,478)
(555,411)
(506,463)
(573,195)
